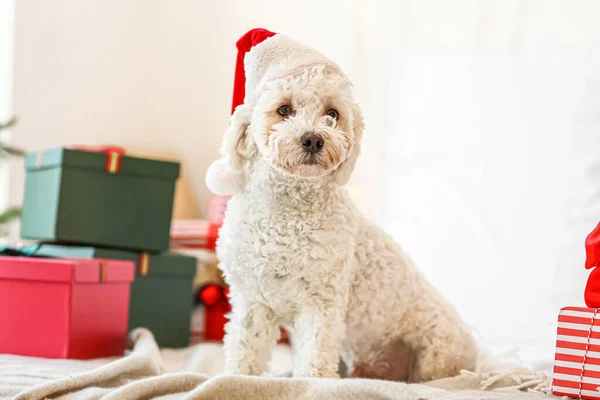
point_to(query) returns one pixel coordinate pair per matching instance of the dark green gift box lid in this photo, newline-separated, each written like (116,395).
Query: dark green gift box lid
(161,294)
(74,196)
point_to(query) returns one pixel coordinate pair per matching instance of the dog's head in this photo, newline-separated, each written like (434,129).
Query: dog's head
(298,116)
(306,125)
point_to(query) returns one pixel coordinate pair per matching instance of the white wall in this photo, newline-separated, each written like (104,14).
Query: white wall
(7,12)
(148,73)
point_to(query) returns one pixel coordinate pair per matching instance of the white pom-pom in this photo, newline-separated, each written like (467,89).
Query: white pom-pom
(222,181)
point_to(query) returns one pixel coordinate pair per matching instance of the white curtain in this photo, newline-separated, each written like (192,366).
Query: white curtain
(6,72)
(484,133)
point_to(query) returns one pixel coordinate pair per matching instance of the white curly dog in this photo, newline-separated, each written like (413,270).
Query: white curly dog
(295,250)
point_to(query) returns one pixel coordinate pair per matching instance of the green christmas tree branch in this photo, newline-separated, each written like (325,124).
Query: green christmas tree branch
(6,149)
(10,214)
(8,124)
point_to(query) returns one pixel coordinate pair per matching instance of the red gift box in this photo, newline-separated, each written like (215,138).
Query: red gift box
(577,361)
(64,308)
(194,233)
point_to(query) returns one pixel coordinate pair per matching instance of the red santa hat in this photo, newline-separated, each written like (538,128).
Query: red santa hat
(244,45)
(264,56)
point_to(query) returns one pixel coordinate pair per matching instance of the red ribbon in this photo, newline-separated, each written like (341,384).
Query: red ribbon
(114,154)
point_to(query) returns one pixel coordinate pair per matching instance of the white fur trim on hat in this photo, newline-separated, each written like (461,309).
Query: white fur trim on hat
(222,181)
(276,57)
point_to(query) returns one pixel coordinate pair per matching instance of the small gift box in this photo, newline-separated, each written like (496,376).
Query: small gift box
(99,197)
(194,234)
(64,308)
(577,360)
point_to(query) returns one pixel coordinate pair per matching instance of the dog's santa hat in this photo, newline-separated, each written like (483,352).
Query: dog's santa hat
(263,56)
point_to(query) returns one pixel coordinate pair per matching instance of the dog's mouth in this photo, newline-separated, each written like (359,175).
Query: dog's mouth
(310,160)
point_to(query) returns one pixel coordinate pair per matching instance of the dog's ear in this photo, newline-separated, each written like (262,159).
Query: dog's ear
(236,148)
(343,172)
(227,176)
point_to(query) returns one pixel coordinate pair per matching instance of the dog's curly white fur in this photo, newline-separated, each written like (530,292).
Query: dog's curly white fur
(296,251)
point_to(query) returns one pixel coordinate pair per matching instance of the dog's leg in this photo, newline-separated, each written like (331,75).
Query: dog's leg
(444,345)
(251,335)
(442,360)
(318,335)
(389,359)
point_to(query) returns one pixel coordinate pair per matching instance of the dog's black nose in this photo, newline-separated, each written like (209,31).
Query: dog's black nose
(312,142)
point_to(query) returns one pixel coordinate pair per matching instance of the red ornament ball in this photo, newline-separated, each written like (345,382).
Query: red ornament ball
(210,295)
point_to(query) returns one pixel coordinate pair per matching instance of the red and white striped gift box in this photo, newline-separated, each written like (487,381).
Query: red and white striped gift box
(194,233)
(577,361)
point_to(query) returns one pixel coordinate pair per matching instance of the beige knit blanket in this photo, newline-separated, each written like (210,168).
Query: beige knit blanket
(193,373)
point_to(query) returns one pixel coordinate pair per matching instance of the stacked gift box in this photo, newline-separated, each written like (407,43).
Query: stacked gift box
(211,301)
(577,359)
(102,265)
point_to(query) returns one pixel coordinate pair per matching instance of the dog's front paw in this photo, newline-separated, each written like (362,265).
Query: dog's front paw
(244,367)
(232,370)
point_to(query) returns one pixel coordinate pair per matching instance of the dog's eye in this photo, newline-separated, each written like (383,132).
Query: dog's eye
(284,110)
(333,114)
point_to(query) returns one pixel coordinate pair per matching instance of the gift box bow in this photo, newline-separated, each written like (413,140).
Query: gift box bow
(592,260)
(592,249)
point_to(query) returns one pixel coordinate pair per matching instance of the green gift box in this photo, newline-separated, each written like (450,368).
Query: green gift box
(161,294)
(99,199)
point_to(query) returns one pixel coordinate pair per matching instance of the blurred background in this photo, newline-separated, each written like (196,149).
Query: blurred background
(482,148)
